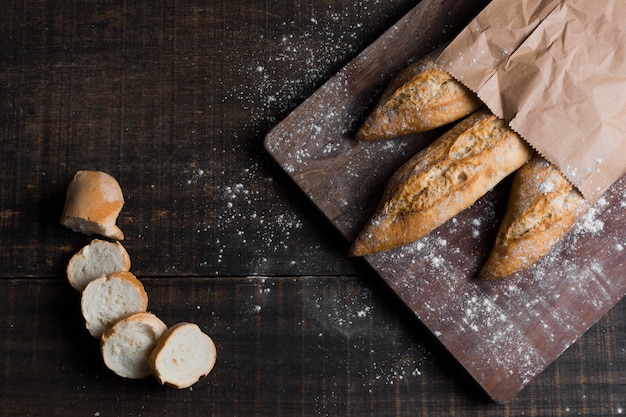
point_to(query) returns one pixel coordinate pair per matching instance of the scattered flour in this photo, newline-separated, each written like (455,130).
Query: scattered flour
(264,231)
(275,225)
(491,323)
(356,320)
(308,53)
(591,221)
(453,307)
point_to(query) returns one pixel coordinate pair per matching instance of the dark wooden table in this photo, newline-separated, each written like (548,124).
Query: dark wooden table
(174,100)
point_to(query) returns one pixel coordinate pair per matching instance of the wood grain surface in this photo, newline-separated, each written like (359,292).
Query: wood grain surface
(174,99)
(504,333)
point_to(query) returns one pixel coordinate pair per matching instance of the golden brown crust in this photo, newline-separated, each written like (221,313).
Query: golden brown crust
(543,206)
(442,180)
(422,97)
(93,202)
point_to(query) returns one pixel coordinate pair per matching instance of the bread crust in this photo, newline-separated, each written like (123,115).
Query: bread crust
(543,206)
(422,97)
(442,180)
(93,202)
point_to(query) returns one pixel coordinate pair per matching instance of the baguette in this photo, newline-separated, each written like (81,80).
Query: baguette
(543,206)
(183,355)
(440,181)
(109,298)
(97,258)
(94,200)
(126,346)
(422,97)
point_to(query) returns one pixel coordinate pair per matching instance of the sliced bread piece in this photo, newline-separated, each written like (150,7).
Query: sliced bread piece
(126,346)
(97,258)
(183,355)
(94,200)
(109,298)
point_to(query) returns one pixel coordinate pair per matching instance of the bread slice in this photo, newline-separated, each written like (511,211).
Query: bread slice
(126,346)
(440,181)
(422,97)
(543,206)
(183,355)
(94,200)
(97,258)
(109,298)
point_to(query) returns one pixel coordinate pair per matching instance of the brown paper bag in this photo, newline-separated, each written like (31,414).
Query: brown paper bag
(556,71)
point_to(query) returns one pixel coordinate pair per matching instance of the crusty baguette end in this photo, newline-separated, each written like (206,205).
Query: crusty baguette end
(543,206)
(94,200)
(422,97)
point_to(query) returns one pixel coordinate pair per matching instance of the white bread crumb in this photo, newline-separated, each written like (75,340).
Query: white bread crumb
(97,258)
(109,298)
(126,346)
(183,355)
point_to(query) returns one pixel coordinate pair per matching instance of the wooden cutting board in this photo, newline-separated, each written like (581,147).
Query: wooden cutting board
(503,333)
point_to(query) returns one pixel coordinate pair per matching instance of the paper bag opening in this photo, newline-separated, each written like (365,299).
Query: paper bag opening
(555,70)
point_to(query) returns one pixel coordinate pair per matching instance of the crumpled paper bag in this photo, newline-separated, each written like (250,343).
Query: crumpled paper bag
(556,71)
